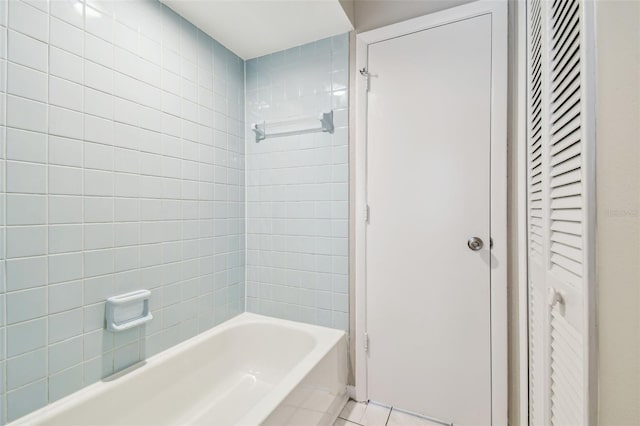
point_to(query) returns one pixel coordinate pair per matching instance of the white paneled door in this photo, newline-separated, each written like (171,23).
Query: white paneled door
(428,239)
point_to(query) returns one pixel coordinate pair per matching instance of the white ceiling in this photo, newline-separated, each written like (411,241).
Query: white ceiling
(252,28)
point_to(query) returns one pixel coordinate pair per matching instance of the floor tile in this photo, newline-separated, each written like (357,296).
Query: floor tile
(398,418)
(353,411)
(365,414)
(343,422)
(375,415)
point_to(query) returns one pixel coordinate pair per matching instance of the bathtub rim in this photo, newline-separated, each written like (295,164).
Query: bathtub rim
(325,339)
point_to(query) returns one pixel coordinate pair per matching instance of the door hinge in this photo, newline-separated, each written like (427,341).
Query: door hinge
(366,342)
(366,75)
(367,214)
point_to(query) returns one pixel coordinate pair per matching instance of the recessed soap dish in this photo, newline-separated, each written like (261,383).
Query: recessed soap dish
(128,310)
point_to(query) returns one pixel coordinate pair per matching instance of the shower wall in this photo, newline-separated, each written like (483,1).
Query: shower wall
(123,167)
(297,187)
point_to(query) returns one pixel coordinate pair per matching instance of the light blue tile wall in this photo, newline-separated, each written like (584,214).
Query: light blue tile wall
(3,113)
(124,169)
(297,187)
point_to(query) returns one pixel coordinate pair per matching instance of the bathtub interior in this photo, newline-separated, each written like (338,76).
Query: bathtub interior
(235,375)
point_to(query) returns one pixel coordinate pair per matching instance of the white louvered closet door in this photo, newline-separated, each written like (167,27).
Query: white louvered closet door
(560,213)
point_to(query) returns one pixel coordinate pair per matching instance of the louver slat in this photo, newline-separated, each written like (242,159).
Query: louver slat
(565,33)
(567,239)
(571,215)
(566,372)
(564,55)
(566,119)
(567,101)
(565,187)
(570,253)
(565,227)
(566,203)
(568,165)
(568,190)
(568,72)
(565,139)
(573,127)
(571,373)
(536,195)
(567,264)
(566,178)
(535,133)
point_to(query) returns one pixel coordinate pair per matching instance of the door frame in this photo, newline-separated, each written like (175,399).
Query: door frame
(519,144)
(498,189)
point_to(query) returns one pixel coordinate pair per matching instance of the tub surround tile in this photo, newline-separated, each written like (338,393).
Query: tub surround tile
(26,368)
(24,145)
(65,354)
(26,241)
(297,187)
(26,337)
(26,399)
(27,51)
(26,305)
(26,82)
(110,189)
(65,383)
(66,296)
(126,169)
(28,20)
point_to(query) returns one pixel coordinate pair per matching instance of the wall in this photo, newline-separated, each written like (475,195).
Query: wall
(618,207)
(297,187)
(3,113)
(371,14)
(518,392)
(124,170)
(349,9)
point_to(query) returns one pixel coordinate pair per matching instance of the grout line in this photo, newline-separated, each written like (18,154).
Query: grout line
(388,416)
(246,197)
(47,207)
(350,421)
(82,206)
(5,47)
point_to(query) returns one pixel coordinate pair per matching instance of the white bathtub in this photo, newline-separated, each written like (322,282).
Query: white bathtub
(249,370)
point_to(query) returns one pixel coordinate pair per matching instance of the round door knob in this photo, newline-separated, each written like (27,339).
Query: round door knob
(475,243)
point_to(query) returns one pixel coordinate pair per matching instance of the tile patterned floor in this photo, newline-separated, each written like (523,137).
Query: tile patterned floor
(363,414)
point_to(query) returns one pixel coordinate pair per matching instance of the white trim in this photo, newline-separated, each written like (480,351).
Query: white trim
(246,234)
(520,85)
(499,319)
(499,278)
(360,221)
(590,333)
(351,392)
